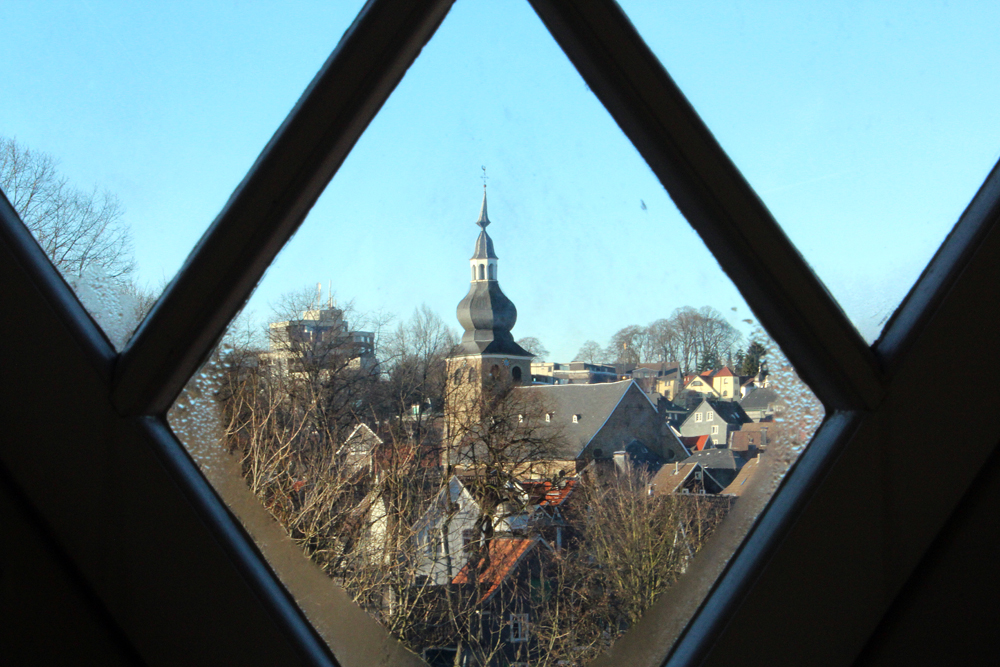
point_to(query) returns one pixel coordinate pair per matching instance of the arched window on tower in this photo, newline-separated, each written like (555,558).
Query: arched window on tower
(516,373)
(482,272)
(473,272)
(493,272)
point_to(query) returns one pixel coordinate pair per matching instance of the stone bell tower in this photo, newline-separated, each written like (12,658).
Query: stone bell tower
(487,353)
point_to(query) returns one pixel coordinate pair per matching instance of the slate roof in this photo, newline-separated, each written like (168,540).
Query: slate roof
(717,458)
(484,247)
(729,411)
(593,402)
(505,554)
(668,481)
(739,485)
(759,399)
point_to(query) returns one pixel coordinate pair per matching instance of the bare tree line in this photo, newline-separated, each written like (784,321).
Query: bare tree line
(695,338)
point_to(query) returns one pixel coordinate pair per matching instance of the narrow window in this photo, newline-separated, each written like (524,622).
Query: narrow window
(518,627)
(548,416)
(482,273)
(516,373)
(493,272)
(576,419)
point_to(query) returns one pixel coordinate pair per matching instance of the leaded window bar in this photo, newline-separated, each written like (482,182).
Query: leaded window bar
(121,400)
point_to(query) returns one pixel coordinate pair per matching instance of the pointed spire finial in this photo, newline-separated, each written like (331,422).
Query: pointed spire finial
(484,219)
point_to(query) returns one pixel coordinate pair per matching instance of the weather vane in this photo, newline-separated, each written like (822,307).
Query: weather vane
(484,177)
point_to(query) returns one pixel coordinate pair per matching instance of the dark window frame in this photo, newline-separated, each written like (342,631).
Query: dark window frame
(126,471)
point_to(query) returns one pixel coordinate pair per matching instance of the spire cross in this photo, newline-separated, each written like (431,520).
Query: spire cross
(484,219)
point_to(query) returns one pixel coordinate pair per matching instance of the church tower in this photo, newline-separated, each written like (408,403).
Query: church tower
(487,353)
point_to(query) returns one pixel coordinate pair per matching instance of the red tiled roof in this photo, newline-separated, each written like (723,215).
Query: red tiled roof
(724,372)
(504,555)
(695,443)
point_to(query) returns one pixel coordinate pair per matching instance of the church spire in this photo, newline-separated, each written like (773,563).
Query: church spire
(485,313)
(484,219)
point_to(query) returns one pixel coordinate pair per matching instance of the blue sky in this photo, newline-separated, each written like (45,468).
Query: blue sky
(864,130)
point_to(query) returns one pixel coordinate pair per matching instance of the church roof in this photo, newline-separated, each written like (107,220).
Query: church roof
(593,403)
(486,314)
(484,247)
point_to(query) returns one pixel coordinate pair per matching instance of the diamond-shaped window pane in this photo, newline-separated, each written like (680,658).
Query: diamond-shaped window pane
(138,124)
(409,459)
(866,130)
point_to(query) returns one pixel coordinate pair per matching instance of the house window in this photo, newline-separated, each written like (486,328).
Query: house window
(520,419)
(548,416)
(715,429)
(710,417)
(697,417)
(576,419)
(518,627)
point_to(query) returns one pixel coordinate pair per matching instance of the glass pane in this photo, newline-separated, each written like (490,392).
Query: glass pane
(479,480)
(125,127)
(866,128)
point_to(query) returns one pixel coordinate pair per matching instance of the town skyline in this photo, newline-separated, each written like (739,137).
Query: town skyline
(569,190)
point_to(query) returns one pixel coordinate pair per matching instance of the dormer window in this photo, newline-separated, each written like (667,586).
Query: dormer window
(576,419)
(520,419)
(548,417)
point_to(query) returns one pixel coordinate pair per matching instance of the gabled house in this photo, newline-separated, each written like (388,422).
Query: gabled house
(444,531)
(500,579)
(696,388)
(760,404)
(754,437)
(678,478)
(726,383)
(358,451)
(592,422)
(716,419)
(720,466)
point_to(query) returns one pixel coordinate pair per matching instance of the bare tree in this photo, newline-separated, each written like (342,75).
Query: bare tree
(534,346)
(628,345)
(413,363)
(591,352)
(630,547)
(78,230)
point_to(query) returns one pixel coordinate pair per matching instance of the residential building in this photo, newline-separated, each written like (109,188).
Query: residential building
(716,419)
(760,404)
(592,422)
